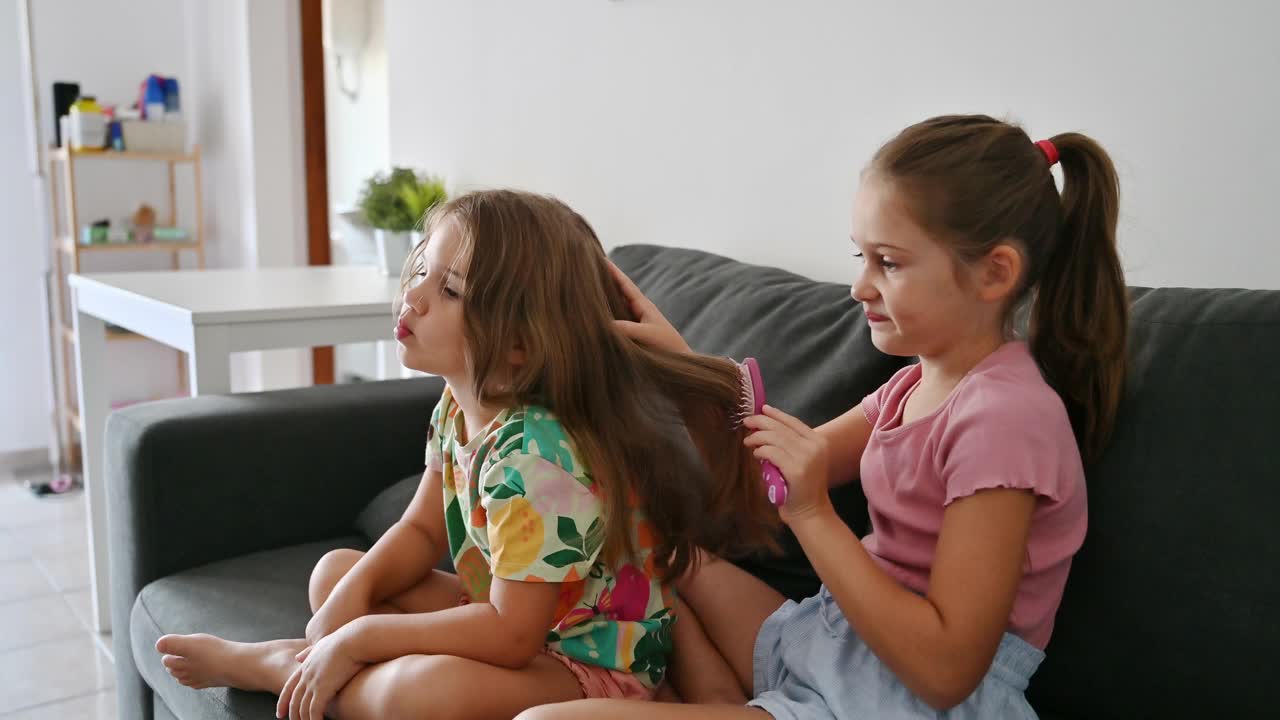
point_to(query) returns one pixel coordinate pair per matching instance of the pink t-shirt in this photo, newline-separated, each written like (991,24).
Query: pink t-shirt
(1002,426)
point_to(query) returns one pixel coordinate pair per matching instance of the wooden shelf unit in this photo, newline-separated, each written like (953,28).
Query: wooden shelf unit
(67,259)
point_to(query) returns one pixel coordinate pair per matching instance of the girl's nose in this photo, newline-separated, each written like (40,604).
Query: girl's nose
(862,290)
(414,298)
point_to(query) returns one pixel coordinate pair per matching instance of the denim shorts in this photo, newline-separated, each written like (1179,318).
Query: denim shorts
(809,664)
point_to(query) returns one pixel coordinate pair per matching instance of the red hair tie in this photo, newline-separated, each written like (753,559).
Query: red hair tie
(1049,150)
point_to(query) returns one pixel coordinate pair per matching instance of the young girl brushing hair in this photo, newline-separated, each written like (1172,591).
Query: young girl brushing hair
(970,460)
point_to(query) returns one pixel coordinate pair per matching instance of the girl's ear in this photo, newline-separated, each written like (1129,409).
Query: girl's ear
(999,272)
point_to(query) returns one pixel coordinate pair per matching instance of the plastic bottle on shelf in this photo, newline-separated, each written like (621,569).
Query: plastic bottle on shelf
(153,98)
(87,124)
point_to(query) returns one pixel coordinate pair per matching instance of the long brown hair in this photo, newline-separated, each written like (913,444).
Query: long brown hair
(976,182)
(538,275)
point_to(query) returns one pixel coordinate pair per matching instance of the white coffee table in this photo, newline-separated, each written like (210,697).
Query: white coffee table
(208,314)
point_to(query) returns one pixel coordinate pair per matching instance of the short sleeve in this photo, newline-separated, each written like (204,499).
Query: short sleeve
(435,433)
(997,439)
(543,523)
(872,403)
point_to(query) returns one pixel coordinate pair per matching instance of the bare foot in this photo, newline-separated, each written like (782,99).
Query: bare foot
(201,661)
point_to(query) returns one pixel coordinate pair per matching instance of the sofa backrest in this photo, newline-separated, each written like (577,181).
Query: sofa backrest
(1172,608)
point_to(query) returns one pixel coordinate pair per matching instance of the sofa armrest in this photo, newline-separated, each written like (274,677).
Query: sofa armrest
(196,480)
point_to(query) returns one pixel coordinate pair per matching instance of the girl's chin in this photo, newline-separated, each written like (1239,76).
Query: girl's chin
(410,359)
(890,344)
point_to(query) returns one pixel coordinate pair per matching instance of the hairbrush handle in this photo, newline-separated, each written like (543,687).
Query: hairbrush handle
(773,480)
(775,484)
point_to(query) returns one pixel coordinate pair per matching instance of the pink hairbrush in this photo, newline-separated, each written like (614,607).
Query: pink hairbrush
(753,404)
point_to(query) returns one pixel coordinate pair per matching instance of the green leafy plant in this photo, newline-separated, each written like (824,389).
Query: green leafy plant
(397,201)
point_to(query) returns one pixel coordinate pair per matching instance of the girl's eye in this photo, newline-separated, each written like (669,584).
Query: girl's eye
(450,293)
(880,260)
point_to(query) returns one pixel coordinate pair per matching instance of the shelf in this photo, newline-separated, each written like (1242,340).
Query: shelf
(180,157)
(70,247)
(63,164)
(69,335)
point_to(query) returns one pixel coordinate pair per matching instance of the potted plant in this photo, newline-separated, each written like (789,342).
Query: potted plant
(394,204)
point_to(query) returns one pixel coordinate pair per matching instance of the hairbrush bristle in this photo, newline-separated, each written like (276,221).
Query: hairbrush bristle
(746,396)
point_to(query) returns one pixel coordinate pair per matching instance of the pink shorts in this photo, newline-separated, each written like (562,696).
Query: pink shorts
(597,683)
(602,683)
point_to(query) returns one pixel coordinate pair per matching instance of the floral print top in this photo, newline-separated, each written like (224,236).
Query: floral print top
(520,505)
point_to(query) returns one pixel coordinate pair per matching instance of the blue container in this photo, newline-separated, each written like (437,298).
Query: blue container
(153,104)
(172,105)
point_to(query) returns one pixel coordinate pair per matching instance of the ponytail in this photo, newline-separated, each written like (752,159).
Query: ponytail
(1079,314)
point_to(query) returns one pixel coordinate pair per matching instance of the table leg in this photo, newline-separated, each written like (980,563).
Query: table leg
(91,382)
(210,362)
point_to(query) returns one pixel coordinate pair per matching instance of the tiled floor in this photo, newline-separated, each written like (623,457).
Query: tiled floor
(52,665)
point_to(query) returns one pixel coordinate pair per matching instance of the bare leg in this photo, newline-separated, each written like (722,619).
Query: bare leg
(437,686)
(443,687)
(437,591)
(698,672)
(667,694)
(637,710)
(201,661)
(730,605)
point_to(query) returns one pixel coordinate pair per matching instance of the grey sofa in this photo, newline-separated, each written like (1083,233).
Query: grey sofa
(219,506)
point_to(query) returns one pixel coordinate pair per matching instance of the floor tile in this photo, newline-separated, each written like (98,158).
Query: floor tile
(32,511)
(29,622)
(21,579)
(11,491)
(57,670)
(67,571)
(52,538)
(12,546)
(81,604)
(99,706)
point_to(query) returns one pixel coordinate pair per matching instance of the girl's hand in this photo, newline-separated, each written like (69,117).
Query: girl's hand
(332,616)
(800,453)
(326,668)
(651,327)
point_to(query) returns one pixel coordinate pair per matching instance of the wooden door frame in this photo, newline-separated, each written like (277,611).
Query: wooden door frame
(315,143)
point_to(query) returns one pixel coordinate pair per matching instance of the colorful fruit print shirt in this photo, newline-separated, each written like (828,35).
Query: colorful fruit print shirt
(520,505)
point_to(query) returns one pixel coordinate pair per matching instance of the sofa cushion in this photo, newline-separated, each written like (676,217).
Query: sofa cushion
(811,338)
(255,597)
(1172,608)
(386,508)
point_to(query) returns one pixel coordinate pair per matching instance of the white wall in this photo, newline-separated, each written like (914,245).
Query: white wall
(357,127)
(739,126)
(24,414)
(245,80)
(357,146)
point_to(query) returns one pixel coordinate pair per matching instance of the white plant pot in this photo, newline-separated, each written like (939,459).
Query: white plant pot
(393,250)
